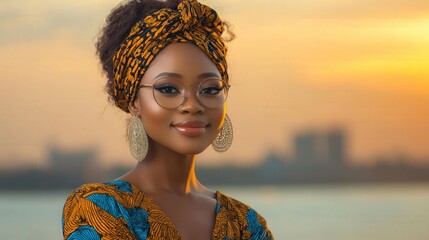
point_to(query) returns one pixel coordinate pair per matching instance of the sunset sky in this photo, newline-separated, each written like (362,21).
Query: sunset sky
(295,65)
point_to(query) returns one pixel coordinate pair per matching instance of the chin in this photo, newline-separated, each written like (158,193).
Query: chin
(191,145)
(189,150)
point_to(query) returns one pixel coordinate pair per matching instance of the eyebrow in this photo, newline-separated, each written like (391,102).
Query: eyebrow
(176,75)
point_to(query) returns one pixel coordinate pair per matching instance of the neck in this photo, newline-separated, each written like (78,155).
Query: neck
(165,171)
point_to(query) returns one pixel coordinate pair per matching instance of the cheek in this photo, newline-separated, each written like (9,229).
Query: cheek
(155,118)
(217,118)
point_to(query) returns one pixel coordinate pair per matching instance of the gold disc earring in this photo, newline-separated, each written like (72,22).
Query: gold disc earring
(137,138)
(224,139)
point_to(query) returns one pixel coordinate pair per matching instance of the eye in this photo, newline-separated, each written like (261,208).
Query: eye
(211,90)
(211,87)
(167,89)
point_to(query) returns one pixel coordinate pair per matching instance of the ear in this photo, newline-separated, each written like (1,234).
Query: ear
(134,107)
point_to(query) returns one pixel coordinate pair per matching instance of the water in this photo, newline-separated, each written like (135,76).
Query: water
(334,212)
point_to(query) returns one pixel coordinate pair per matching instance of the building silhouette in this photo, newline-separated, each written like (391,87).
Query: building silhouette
(314,148)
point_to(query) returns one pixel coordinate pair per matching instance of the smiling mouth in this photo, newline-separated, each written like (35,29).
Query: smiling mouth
(191,131)
(191,128)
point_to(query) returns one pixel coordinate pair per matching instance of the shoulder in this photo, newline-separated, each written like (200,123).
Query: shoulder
(252,224)
(103,208)
(99,195)
(110,188)
(114,197)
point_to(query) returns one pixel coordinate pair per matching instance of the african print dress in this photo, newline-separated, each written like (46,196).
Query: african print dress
(119,210)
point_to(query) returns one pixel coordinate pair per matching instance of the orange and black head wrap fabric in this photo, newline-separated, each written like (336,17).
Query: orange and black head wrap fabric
(192,22)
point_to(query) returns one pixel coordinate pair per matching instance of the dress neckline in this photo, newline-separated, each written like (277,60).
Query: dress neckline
(157,208)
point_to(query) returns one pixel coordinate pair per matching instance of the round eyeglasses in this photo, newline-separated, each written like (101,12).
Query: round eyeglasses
(170,93)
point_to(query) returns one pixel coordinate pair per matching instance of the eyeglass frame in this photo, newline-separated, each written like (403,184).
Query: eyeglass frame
(143,85)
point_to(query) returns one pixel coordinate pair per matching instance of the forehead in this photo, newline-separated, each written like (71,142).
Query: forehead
(182,60)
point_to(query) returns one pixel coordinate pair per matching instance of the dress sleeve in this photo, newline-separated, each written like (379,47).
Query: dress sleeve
(257,226)
(92,216)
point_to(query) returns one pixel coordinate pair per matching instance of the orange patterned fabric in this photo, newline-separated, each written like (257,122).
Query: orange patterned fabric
(192,22)
(119,210)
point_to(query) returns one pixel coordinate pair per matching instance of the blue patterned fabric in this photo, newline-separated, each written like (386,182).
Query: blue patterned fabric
(107,203)
(217,208)
(121,185)
(84,233)
(136,218)
(254,226)
(138,221)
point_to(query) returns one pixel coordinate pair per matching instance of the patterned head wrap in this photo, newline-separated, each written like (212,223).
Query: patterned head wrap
(192,22)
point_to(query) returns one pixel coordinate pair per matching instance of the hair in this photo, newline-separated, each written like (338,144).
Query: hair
(118,25)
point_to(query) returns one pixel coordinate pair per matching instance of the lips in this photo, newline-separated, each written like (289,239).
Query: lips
(191,128)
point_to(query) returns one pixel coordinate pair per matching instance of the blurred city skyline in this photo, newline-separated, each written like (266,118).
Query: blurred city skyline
(295,65)
(310,149)
(317,158)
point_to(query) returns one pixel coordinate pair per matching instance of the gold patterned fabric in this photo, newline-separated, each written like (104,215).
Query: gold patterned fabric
(119,210)
(192,22)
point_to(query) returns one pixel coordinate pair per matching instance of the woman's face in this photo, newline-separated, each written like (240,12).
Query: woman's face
(184,62)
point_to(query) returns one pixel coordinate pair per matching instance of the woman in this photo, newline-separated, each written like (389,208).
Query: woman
(165,64)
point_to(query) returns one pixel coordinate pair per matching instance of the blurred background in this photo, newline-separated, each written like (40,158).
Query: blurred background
(329,104)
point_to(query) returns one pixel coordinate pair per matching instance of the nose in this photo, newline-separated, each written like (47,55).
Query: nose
(191,104)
